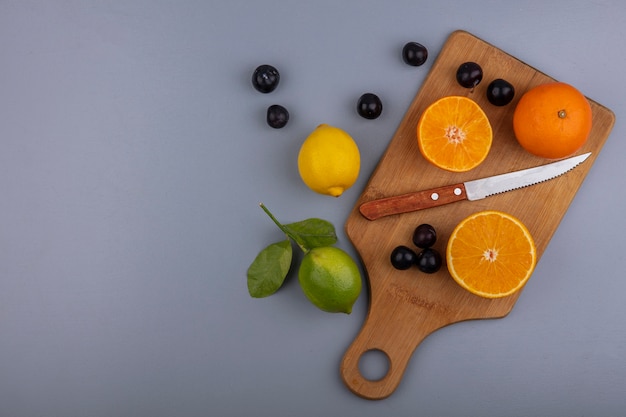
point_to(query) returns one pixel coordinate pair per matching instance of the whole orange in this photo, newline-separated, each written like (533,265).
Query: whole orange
(552,120)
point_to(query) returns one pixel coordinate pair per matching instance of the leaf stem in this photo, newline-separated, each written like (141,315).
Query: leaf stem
(286,231)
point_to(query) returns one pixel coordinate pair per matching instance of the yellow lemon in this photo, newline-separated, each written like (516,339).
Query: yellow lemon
(329,160)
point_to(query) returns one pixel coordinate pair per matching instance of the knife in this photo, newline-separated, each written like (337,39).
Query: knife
(469,190)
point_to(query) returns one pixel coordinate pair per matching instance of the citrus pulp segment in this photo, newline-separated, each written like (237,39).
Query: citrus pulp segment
(454,134)
(491,254)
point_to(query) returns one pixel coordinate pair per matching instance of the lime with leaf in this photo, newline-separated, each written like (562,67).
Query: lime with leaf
(329,277)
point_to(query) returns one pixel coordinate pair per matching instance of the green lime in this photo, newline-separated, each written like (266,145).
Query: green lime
(330,279)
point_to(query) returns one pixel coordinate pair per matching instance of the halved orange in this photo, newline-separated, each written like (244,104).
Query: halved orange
(454,134)
(491,254)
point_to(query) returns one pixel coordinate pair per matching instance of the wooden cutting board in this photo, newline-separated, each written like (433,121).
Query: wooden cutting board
(406,306)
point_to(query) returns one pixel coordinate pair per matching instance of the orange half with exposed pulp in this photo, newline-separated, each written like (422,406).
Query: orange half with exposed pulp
(491,254)
(454,134)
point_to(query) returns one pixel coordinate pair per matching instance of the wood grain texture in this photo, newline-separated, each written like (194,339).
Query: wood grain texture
(407,306)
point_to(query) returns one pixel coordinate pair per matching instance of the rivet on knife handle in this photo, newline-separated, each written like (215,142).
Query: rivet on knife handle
(405,203)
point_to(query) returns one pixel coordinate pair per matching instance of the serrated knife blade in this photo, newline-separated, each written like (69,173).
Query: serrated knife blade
(469,190)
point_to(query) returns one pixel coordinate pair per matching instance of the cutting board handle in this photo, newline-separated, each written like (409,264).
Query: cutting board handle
(371,389)
(396,339)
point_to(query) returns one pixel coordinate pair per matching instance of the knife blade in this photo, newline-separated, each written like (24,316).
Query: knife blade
(469,190)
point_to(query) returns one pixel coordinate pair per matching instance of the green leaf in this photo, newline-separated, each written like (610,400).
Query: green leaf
(307,234)
(312,233)
(269,269)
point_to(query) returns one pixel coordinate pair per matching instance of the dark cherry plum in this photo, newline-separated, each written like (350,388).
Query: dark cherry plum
(403,257)
(414,54)
(429,260)
(424,236)
(500,92)
(277,116)
(265,78)
(469,74)
(369,106)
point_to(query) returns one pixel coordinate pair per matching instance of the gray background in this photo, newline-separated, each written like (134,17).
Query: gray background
(134,153)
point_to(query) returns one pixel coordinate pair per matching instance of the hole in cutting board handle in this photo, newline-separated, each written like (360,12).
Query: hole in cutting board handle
(371,368)
(374,364)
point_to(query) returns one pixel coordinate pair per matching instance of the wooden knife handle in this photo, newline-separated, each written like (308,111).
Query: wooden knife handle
(419,200)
